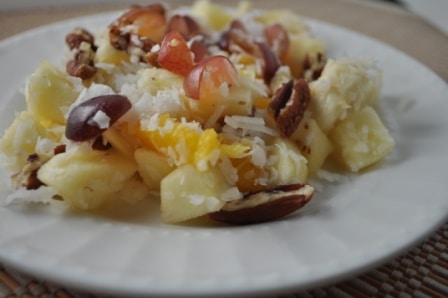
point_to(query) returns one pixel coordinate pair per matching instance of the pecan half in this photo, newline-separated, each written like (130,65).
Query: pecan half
(265,205)
(289,104)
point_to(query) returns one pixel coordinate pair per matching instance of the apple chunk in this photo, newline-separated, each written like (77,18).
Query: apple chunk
(187,193)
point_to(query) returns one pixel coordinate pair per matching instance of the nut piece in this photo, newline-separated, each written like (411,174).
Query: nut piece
(313,65)
(265,205)
(81,66)
(79,35)
(138,30)
(81,43)
(289,104)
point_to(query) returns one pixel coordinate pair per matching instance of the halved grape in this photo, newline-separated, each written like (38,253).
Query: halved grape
(94,116)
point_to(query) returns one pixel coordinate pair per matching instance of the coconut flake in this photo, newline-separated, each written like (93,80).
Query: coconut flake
(247,123)
(43,194)
(231,194)
(100,120)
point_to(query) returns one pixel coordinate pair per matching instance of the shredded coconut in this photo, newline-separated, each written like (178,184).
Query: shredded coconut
(100,120)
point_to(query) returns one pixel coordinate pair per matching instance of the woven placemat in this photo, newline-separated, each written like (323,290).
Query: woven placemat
(421,272)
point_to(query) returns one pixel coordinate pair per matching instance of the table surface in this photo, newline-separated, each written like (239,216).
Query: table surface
(420,272)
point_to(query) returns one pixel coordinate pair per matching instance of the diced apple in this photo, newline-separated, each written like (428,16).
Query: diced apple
(290,165)
(301,46)
(48,93)
(214,14)
(153,80)
(345,85)
(282,76)
(187,193)
(152,167)
(87,178)
(21,138)
(361,139)
(289,20)
(106,53)
(313,143)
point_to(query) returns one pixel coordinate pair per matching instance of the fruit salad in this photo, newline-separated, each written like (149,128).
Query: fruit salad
(225,112)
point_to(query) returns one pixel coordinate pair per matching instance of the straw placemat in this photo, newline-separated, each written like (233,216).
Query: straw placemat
(420,272)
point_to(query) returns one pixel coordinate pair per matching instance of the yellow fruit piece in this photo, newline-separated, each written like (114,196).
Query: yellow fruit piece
(301,46)
(106,53)
(237,100)
(282,76)
(153,80)
(152,167)
(361,140)
(289,20)
(87,178)
(49,93)
(207,149)
(313,143)
(184,142)
(20,139)
(177,141)
(248,175)
(345,85)
(235,150)
(290,165)
(214,14)
(262,102)
(187,193)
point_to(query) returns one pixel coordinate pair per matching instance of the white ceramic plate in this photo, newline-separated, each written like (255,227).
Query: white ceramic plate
(346,229)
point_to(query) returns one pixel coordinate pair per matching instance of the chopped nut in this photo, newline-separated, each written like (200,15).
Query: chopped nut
(313,66)
(81,67)
(81,42)
(140,39)
(265,205)
(152,58)
(33,182)
(119,40)
(289,104)
(59,149)
(79,35)
(141,42)
(27,177)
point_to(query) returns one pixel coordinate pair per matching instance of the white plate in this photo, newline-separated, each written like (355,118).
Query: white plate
(346,229)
